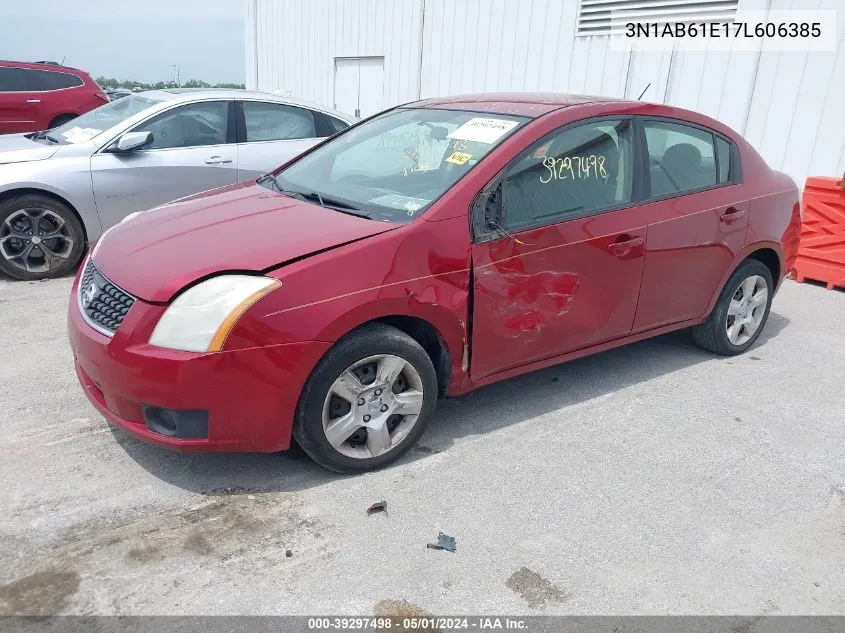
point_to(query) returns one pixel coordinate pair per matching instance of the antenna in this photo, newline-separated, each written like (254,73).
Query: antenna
(643,92)
(62,63)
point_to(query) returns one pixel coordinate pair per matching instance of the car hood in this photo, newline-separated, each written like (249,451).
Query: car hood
(242,227)
(17,148)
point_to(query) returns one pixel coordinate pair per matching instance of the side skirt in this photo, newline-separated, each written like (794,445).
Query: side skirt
(469,384)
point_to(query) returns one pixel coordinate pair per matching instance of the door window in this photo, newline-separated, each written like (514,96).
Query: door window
(335,125)
(191,125)
(18,80)
(573,173)
(681,158)
(277,122)
(30,80)
(723,160)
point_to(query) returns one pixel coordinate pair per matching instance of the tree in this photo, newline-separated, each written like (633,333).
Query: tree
(196,83)
(111,83)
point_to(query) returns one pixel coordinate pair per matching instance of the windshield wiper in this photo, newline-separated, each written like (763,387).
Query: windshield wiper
(40,136)
(328,202)
(271,178)
(334,203)
(323,201)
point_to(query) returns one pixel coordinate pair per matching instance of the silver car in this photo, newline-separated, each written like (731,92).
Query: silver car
(62,188)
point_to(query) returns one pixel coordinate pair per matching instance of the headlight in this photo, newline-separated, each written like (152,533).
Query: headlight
(199,320)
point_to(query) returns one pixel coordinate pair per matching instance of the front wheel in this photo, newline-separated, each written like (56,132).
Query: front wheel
(367,402)
(740,312)
(40,238)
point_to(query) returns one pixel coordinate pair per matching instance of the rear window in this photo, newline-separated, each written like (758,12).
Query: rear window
(53,80)
(31,80)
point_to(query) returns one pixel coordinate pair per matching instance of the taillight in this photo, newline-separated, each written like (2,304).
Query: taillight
(103,96)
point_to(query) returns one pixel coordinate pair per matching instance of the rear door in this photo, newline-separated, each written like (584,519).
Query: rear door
(271,133)
(699,218)
(20,101)
(193,150)
(563,270)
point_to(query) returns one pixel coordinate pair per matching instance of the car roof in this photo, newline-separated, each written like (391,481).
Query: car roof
(40,66)
(190,94)
(529,104)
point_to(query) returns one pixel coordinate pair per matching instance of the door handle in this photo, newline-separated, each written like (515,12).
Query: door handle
(217,160)
(625,245)
(33,100)
(731,216)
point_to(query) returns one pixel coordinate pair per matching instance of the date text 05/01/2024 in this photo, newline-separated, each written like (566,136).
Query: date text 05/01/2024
(424,623)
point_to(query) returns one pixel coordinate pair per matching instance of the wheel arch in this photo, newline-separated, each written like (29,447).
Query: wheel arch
(769,254)
(9,194)
(439,332)
(431,341)
(63,115)
(772,261)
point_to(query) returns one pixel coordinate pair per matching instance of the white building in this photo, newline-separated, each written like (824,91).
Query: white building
(361,56)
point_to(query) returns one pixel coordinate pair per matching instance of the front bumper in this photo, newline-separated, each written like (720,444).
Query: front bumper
(249,395)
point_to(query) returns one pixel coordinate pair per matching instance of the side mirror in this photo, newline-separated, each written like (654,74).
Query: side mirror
(131,141)
(488,212)
(493,207)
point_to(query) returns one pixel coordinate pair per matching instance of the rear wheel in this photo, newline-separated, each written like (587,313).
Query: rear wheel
(740,312)
(367,402)
(40,238)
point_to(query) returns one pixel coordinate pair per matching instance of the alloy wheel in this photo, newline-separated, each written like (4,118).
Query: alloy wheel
(747,309)
(35,240)
(372,406)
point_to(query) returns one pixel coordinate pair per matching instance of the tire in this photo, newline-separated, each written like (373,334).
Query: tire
(21,218)
(61,120)
(319,401)
(737,303)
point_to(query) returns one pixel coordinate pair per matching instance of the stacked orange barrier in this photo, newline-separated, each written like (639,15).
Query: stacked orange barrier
(821,253)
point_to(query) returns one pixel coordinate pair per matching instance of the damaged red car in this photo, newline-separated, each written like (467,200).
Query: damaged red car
(427,251)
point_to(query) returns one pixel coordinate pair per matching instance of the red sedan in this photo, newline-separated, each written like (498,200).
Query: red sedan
(432,249)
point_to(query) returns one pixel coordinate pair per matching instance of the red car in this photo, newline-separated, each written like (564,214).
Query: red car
(432,249)
(44,95)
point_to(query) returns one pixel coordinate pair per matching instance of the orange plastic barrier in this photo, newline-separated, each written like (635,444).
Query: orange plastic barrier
(821,252)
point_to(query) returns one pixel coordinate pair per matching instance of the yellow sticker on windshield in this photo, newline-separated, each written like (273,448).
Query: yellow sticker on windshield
(459,158)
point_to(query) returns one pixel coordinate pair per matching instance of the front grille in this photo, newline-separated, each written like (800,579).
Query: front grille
(103,304)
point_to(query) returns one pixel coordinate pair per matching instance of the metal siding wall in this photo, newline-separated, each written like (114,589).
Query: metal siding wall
(250,60)
(298,41)
(492,45)
(795,118)
(788,105)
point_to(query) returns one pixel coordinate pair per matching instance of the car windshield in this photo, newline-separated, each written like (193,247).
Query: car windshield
(92,123)
(392,167)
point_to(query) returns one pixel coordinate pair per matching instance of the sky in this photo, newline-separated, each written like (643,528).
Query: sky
(129,39)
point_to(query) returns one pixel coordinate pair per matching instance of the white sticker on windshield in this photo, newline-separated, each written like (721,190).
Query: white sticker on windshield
(401,202)
(80,134)
(483,130)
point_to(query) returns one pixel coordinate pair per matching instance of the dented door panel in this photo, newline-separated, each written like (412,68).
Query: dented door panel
(556,289)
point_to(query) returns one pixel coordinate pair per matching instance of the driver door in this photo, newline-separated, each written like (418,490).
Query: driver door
(193,150)
(563,270)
